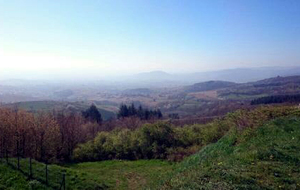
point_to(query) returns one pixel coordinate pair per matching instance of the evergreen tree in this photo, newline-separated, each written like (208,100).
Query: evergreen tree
(159,114)
(140,112)
(92,114)
(123,112)
(131,110)
(147,114)
(143,114)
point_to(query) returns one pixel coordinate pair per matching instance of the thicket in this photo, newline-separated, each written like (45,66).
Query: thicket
(276,99)
(165,141)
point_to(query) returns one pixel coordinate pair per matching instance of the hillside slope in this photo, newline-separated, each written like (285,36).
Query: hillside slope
(209,85)
(264,158)
(267,87)
(11,179)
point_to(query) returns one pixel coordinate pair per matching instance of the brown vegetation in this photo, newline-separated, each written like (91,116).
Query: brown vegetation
(43,136)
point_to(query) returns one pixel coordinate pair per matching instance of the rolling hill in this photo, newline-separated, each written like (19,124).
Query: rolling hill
(262,158)
(209,85)
(272,86)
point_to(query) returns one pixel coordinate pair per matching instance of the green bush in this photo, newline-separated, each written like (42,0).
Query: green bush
(161,140)
(155,139)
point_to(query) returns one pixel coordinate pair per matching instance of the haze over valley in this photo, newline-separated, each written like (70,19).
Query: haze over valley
(182,94)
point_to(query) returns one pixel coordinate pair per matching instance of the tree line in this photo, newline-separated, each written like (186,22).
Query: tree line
(140,112)
(276,99)
(65,137)
(52,137)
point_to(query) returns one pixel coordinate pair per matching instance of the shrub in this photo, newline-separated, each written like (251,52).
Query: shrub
(155,139)
(161,140)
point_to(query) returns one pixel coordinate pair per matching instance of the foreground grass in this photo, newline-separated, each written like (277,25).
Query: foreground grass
(139,174)
(11,179)
(263,158)
(126,174)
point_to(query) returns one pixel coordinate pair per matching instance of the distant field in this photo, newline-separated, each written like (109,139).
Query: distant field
(207,95)
(48,106)
(243,96)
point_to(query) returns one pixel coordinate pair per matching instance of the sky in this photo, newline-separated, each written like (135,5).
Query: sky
(40,38)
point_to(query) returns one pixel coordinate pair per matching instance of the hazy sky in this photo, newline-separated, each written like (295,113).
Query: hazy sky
(113,37)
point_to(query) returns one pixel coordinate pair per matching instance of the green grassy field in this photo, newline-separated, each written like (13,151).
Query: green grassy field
(90,175)
(11,179)
(126,174)
(263,158)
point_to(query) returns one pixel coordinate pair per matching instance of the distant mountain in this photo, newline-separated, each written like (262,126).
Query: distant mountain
(210,85)
(242,75)
(154,76)
(158,79)
(239,75)
(154,79)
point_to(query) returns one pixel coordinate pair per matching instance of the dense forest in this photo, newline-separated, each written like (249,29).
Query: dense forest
(276,99)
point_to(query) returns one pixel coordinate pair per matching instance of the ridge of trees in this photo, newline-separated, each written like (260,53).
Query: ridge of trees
(276,99)
(140,112)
